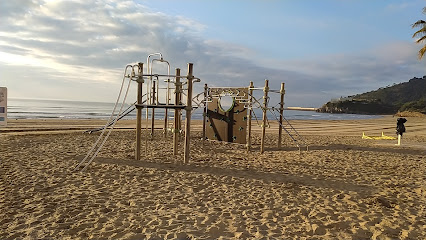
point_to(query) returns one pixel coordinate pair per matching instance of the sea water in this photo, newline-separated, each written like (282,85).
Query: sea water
(60,109)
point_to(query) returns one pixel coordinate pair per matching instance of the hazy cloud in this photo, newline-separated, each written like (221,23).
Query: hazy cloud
(78,49)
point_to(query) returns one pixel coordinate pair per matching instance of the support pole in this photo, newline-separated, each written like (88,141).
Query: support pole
(265,107)
(188,114)
(165,120)
(205,111)
(166,112)
(176,127)
(280,130)
(153,110)
(139,114)
(249,113)
(399,139)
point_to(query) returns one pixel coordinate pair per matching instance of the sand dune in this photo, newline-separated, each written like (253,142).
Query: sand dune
(344,187)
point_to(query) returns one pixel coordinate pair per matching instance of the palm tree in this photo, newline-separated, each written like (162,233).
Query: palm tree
(420,33)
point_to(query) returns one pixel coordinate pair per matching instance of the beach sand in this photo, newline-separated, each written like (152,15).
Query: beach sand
(344,187)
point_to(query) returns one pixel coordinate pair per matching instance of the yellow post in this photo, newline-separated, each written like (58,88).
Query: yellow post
(178,90)
(188,114)
(139,114)
(264,108)
(280,130)
(249,112)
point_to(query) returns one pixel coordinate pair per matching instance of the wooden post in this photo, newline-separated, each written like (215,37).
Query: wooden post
(249,112)
(139,114)
(178,90)
(179,116)
(280,130)
(153,110)
(205,111)
(165,121)
(264,108)
(166,112)
(188,114)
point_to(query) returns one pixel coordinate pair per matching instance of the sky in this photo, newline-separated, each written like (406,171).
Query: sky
(77,50)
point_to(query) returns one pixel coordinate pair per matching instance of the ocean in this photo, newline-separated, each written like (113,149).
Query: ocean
(60,109)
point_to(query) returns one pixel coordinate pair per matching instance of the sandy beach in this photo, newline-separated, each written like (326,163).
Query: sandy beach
(344,187)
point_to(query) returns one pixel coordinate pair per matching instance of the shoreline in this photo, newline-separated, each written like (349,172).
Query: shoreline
(351,127)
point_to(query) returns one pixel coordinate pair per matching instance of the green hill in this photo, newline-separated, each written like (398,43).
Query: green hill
(406,96)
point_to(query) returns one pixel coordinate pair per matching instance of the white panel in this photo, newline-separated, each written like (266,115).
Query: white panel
(3,107)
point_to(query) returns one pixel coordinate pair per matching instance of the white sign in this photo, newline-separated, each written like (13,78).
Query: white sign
(3,107)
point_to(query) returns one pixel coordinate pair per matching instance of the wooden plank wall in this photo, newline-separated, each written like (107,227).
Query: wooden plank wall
(230,126)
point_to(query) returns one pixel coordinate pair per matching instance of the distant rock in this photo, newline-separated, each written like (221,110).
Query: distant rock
(408,96)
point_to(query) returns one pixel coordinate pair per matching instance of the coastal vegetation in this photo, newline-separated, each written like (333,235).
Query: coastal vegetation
(403,97)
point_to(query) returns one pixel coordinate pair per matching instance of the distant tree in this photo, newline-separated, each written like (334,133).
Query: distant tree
(420,34)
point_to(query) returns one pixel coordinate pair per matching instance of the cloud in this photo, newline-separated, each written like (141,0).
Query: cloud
(348,74)
(78,49)
(398,6)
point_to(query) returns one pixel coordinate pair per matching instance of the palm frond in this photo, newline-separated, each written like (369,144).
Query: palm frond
(422,52)
(419,23)
(421,32)
(420,40)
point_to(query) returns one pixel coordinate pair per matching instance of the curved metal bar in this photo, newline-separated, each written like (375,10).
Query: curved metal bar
(158,83)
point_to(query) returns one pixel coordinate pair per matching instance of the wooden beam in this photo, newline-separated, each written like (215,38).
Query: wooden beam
(205,111)
(178,89)
(188,114)
(249,113)
(159,106)
(153,110)
(139,115)
(280,130)
(264,109)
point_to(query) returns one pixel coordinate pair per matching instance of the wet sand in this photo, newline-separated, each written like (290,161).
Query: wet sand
(344,187)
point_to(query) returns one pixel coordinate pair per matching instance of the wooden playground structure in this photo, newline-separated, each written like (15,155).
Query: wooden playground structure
(235,123)
(221,122)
